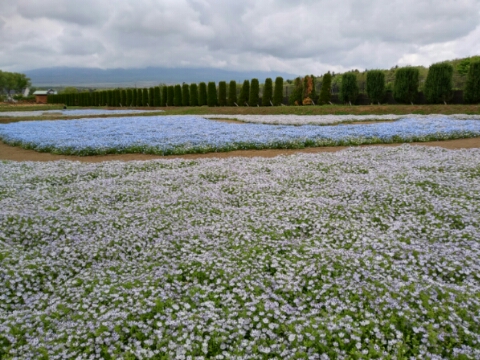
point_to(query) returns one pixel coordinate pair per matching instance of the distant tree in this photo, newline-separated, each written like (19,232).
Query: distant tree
(164,95)
(177,97)
(212,94)
(375,85)
(297,92)
(170,95)
(193,95)
(151,96)
(349,88)
(244,93)
(134,97)
(309,88)
(139,97)
(472,86)
(405,87)
(438,85)
(254,93)
(145,97)
(68,90)
(278,92)
(185,95)
(232,93)
(129,97)
(326,90)
(157,97)
(202,94)
(267,92)
(222,93)
(123,97)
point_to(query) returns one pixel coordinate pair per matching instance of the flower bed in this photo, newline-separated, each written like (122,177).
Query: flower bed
(79,112)
(191,134)
(364,253)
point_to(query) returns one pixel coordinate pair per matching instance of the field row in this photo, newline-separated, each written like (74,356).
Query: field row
(365,253)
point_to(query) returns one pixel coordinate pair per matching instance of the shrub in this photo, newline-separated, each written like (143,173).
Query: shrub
(193,95)
(375,85)
(309,88)
(212,94)
(326,90)
(232,93)
(278,92)
(405,87)
(157,97)
(254,92)
(170,95)
(139,97)
(145,97)
(222,93)
(164,95)
(349,88)
(151,96)
(472,86)
(177,97)
(129,96)
(295,97)
(202,94)
(123,97)
(244,94)
(267,92)
(438,85)
(185,95)
(134,96)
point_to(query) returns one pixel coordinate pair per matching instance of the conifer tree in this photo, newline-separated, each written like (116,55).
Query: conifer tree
(232,93)
(145,97)
(375,85)
(212,94)
(185,95)
(278,92)
(139,97)
(244,94)
(157,97)
(295,97)
(177,97)
(267,93)
(309,88)
(349,88)
(438,85)
(326,91)
(222,93)
(254,93)
(170,95)
(193,95)
(151,96)
(405,87)
(472,86)
(128,99)
(202,94)
(164,95)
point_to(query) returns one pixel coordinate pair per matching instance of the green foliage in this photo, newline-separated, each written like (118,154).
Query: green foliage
(267,92)
(254,93)
(151,96)
(472,86)
(177,97)
(145,97)
(278,92)
(157,97)
(123,97)
(185,95)
(349,88)
(13,81)
(212,94)
(164,95)
(438,86)
(193,95)
(222,93)
(244,94)
(170,95)
(69,90)
(232,93)
(375,85)
(129,97)
(139,97)
(134,97)
(202,94)
(326,90)
(295,97)
(405,87)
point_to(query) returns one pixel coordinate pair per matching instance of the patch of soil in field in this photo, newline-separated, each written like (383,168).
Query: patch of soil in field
(14,153)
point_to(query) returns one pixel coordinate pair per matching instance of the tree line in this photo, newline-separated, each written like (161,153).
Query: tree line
(10,81)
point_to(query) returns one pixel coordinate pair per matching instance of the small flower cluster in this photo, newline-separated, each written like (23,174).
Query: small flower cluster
(79,112)
(329,119)
(166,135)
(364,253)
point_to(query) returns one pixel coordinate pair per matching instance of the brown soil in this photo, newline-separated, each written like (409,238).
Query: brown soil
(14,153)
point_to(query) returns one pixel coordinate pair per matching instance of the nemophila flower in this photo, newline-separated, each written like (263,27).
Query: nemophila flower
(212,258)
(78,112)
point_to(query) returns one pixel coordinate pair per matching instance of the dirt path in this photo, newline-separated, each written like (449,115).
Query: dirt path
(14,153)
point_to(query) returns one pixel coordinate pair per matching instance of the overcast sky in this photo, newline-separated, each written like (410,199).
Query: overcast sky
(294,36)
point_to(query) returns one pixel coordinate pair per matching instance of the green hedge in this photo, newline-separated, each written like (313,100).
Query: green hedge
(375,86)
(253,99)
(177,97)
(170,95)
(202,94)
(193,95)
(278,92)
(405,87)
(158,98)
(222,93)
(267,92)
(297,92)
(349,88)
(185,95)
(212,94)
(439,85)
(232,93)
(244,94)
(472,86)
(326,90)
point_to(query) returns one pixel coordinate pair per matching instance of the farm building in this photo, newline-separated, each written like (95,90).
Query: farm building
(41,95)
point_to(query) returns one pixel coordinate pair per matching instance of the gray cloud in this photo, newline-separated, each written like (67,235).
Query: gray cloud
(305,36)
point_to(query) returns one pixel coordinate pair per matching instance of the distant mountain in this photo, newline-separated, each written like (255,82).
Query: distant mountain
(150,76)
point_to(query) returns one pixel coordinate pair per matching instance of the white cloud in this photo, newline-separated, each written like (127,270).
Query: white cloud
(305,36)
